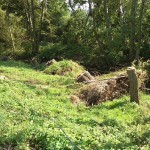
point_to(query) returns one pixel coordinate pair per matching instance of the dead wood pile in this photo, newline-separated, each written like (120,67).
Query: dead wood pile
(100,91)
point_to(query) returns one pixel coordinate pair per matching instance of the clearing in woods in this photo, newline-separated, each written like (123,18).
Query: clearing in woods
(36,113)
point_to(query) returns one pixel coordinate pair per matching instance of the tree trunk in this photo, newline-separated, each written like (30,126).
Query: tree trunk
(121,13)
(28,16)
(139,31)
(71,4)
(29,20)
(132,32)
(41,20)
(12,39)
(35,45)
(9,27)
(133,83)
(107,19)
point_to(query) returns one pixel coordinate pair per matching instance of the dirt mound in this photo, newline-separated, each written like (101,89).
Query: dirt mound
(64,68)
(100,91)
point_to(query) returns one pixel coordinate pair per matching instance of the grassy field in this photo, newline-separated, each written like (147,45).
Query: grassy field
(36,114)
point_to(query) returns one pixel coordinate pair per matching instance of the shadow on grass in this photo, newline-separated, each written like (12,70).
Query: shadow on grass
(106,122)
(20,64)
(116,104)
(109,104)
(17,64)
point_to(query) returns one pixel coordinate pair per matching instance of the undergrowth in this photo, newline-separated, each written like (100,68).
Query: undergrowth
(35,113)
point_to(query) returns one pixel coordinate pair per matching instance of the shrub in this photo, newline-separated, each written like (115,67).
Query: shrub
(50,51)
(70,51)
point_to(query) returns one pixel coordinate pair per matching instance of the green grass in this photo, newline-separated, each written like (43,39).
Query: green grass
(35,113)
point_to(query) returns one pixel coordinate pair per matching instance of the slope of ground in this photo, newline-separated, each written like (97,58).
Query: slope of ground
(35,113)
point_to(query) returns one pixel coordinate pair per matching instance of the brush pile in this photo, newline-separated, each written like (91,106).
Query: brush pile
(107,89)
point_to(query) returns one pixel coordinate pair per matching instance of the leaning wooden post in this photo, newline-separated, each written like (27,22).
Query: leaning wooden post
(133,83)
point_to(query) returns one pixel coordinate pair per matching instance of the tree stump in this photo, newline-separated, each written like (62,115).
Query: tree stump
(51,62)
(35,61)
(85,77)
(133,83)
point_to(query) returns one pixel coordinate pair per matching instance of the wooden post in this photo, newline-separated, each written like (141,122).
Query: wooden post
(133,83)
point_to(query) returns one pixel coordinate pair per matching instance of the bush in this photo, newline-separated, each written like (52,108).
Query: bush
(147,66)
(65,67)
(50,51)
(58,51)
